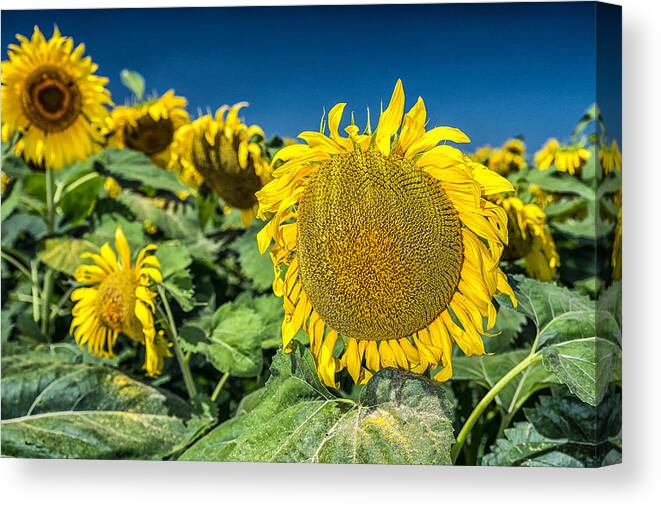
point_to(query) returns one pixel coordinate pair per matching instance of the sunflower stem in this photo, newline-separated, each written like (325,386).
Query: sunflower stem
(45,303)
(219,386)
(488,398)
(183,364)
(49,274)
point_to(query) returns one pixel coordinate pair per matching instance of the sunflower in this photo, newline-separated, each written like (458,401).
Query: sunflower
(117,299)
(390,250)
(530,239)
(483,154)
(508,158)
(52,98)
(541,196)
(225,154)
(148,127)
(569,159)
(610,158)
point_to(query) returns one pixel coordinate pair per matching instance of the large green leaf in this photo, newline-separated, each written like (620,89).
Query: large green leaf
(559,314)
(63,254)
(586,366)
(136,166)
(233,344)
(168,219)
(400,418)
(562,431)
(54,408)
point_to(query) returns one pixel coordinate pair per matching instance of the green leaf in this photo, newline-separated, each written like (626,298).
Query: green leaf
(136,166)
(488,370)
(168,220)
(173,256)
(400,418)
(10,202)
(560,431)
(559,314)
(234,344)
(63,254)
(105,231)
(79,202)
(271,312)
(563,183)
(509,324)
(54,408)
(134,82)
(19,225)
(586,366)
(257,267)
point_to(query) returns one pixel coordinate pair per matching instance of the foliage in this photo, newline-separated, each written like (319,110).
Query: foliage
(546,394)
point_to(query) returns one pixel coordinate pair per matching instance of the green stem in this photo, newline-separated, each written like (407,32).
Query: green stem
(49,274)
(219,386)
(183,364)
(34,276)
(488,398)
(50,203)
(45,303)
(16,263)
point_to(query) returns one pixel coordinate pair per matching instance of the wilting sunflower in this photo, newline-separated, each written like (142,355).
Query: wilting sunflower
(118,299)
(53,99)
(225,154)
(530,239)
(569,159)
(388,249)
(510,157)
(149,126)
(610,158)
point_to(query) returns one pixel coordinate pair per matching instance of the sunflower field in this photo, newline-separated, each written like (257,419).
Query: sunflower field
(193,288)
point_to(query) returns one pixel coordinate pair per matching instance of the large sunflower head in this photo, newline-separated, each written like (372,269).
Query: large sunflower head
(530,239)
(52,98)
(569,159)
(224,153)
(384,248)
(148,127)
(510,157)
(117,299)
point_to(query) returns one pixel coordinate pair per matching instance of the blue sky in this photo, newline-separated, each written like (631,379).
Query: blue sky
(493,70)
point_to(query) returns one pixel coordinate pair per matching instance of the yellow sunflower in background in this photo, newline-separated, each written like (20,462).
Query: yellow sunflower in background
(384,248)
(610,158)
(541,196)
(510,157)
(148,127)
(53,99)
(483,154)
(224,153)
(6,180)
(117,299)
(569,159)
(530,239)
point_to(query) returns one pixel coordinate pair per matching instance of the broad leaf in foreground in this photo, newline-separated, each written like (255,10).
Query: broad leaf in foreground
(562,431)
(54,408)
(399,418)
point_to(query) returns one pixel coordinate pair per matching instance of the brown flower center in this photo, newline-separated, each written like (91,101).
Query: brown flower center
(149,136)
(219,165)
(379,246)
(51,99)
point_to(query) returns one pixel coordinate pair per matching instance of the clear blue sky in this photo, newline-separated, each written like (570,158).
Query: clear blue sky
(494,71)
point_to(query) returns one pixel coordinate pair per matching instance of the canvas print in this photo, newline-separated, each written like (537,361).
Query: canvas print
(341,234)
